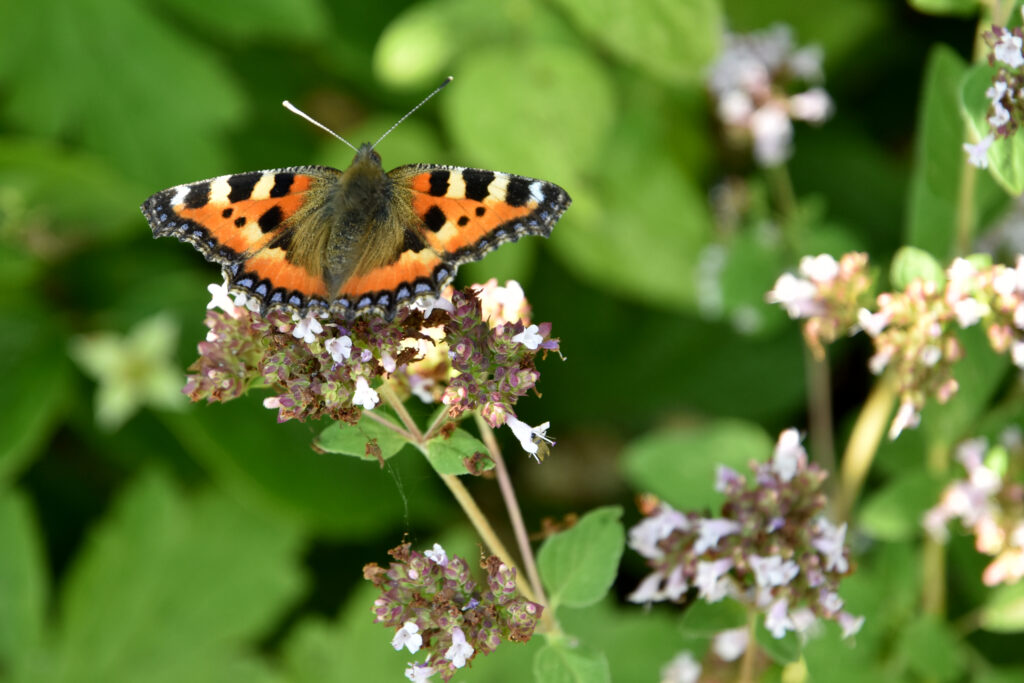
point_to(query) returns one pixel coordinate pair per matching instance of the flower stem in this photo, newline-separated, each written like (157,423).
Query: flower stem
(376,417)
(515,515)
(863,444)
(389,395)
(819,408)
(933,554)
(750,654)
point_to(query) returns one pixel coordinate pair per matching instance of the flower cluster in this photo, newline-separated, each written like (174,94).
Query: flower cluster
(829,295)
(1006,104)
(435,605)
(761,83)
(914,331)
(989,503)
(772,548)
(475,351)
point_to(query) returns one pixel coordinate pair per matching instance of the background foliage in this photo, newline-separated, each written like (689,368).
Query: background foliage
(174,542)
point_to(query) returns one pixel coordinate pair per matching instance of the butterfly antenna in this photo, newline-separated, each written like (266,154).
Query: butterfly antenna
(425,99)
(295,110)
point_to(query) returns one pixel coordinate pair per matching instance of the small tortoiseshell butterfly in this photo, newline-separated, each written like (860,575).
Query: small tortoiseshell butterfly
(313,238)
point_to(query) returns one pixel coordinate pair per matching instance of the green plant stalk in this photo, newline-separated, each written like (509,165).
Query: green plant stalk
(746,674)
(863,445)
(819,408)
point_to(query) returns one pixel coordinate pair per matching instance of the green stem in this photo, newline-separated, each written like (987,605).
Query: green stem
(819,409)
(746,674)
(863,444)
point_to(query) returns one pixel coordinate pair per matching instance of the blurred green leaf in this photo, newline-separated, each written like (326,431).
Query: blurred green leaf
(894,513)
(560,662)
(782,650)
(956,8)
(168,589)
(671,40)
(349,439)
(23,583)
(703,620)
(912,263)
(1003,612)
(750,269)
(1006,155)
(449,455)
(679,464)
(169,90)
(932,650)
(579,565)
(299,21)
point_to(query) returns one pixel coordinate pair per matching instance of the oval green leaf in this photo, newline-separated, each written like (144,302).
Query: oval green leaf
(578,566)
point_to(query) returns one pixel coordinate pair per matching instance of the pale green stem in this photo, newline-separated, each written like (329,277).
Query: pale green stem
(819,408)
(746,674)
(862,445)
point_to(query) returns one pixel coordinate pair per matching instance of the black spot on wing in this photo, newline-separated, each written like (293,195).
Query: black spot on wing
(463,220)
(198,196)
(270,219)
(412,242)
(477,183)
(480,211)
(282,183)
(435,218)
(242,185)
(517,192)
(240,221)
(439,183)
(227,212)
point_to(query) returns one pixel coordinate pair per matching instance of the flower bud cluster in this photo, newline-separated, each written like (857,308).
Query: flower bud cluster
(1006,94)
(772,547)
(761,83)
(989,502)
(436,606)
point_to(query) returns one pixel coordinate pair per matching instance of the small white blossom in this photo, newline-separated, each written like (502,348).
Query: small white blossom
(773,570)
(1008,50)
(220,297)
(735,107)
(1018,317)
(437,555)
(961,271)
(879,360)
(365,396)
(307,329)
(930,355)
(644,537)
(418,673)
(1000,115)
(798,296)
(968,311)
(829,542)
(773,133)
(777,620)
(813,106)
(830,602)
(907,417)
(340,348)
(1005,282)
(1017,353)
(529,338)
(996,91)
(712,531)
(822,268)
(789,456)
(850,624)
(676,586)
(460,650)
(872,323)
(387,362)
(526,434)
(710,581)
(727,477)
(977,154)
(408,637)
(804,620)
(429,304)
(729,645)
(648,590)
(682,669)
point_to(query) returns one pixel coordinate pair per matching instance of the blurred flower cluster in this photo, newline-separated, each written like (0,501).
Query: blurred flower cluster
(914,330)
(472,351)
(989,502)
(437,607)
(771,549)
(1005,96)
(760,84)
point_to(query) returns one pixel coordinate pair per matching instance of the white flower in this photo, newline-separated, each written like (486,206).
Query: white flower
(872,323)
(1000,116)
(773,571)
(977,154)
(526,434)
(1018,317)
(735,107)
(878,361)
(804,619)
(996,91)
(968,311)
(961,271)
(365,396)
(777,620)
(340,348)
(418,673)
(813,106)
(648,590)
(907,417)
(644,537)
(773,133)
(429,304)
(729,645)
(529,338)
(460,650)
(789,455)
(711,583)
(307,328)
(797,295)
(1008,50)
(929,355)
(830,602)
(726,478)
(682,669)
(437,555)
(220,297)
(1017,353)
(676,585)
(806,62)
(1005,282)
(829,542)
(712,531)
(822,268)
(408,637)
(850,624)
(387,361)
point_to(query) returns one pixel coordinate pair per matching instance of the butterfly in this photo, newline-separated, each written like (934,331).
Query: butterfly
(313,239)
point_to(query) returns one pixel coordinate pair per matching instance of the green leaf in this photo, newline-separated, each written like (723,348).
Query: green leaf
(932,650)
(449,455)
(561,663)
(1003,612)
(245,20)
(349,439)
(23,583)
(938,156)
(578,566)
(679,464)
(912,263)
(956,8)
(1006,155)
(168,588)
(894,513)
(672,40)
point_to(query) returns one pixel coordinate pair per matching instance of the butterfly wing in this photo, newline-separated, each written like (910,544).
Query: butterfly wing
(267,228)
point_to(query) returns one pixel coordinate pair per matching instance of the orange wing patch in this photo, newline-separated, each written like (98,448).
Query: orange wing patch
(454,224)
(271,265)
(408,269)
